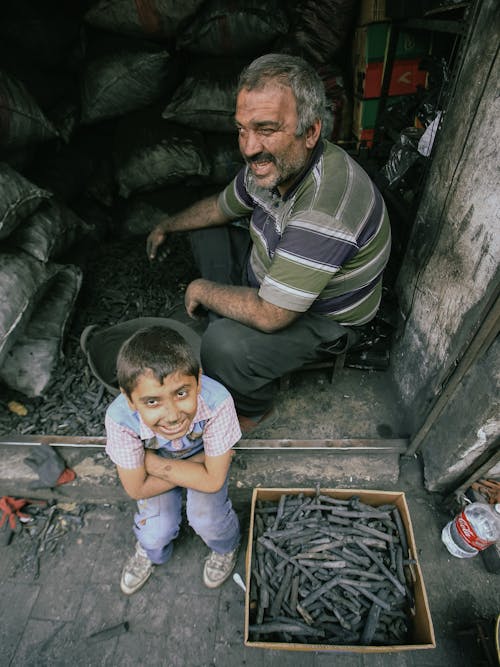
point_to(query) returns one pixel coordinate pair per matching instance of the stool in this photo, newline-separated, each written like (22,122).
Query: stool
(335,363)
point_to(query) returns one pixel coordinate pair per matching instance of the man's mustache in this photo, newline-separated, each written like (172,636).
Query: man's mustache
(260,157)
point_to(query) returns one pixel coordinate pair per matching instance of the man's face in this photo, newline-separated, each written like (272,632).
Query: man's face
(266,119)
(169,408)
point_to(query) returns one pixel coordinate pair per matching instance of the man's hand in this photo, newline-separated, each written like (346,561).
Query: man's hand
(205,213)
(242,304)
(155,239)
(193,297)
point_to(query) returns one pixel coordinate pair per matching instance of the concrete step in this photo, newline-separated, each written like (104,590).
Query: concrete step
(270,463)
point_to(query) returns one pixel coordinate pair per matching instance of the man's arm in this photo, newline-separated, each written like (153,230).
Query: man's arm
(208,476)
(242,304)
(205,213)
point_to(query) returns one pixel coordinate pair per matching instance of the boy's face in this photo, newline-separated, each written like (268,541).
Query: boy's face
(169,408)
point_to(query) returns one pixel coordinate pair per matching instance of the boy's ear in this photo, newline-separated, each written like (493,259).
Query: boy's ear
(129,400)
(199,381)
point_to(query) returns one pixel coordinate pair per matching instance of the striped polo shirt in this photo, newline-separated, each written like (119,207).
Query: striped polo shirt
(324,245)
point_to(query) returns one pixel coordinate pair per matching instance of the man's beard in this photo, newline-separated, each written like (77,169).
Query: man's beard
(286,170)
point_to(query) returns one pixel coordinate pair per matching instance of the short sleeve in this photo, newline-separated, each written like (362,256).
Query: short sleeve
(222,430)
(123,446)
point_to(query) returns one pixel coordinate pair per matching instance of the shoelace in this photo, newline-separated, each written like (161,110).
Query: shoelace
(219,561)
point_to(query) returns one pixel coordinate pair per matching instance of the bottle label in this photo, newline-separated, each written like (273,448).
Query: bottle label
(468,534)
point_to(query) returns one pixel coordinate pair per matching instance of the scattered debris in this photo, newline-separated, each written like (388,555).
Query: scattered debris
(43,528)
(17,408)
(108,633)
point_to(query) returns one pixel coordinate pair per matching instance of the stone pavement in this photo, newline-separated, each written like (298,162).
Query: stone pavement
(174,621)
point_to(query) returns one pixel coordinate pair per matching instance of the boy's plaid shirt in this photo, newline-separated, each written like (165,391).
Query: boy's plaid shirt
(218,427)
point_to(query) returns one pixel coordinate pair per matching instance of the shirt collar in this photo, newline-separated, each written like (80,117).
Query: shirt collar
(313,159)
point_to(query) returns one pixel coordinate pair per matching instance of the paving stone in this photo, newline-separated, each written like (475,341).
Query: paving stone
(102,606)
(110,556)
(52,644)
(271,658)
(190,631)
(15,561)
(229,655)
(447,652)
(150,650)
(152,607)
(399,659)
(64,576)
(35,646)
(231,625)
(17,601)
(339,659)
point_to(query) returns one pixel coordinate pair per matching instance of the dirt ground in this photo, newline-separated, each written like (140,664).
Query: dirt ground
(121,284)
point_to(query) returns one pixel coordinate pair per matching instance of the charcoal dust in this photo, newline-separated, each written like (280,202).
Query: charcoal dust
(120,284)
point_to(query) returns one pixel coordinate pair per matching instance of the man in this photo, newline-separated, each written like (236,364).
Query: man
(320,240)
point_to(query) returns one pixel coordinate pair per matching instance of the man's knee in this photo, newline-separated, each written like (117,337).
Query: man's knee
(219,344)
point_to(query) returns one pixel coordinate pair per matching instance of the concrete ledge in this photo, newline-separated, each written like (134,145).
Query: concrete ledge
(267,465)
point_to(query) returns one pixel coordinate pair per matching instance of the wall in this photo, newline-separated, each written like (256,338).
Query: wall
(450,273)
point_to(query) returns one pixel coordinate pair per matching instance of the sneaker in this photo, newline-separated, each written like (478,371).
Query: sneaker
(136,571)
(218,568)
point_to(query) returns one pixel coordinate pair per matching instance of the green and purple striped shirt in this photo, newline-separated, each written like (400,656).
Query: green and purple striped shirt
(324,245)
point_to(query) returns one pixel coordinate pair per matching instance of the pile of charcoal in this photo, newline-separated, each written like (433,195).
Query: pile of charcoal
(329,571)
(119,284)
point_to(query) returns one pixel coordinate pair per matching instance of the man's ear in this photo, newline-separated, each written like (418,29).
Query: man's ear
(313,134)
(199,381)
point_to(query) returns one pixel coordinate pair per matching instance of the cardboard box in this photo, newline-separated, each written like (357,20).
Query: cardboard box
(364,113)
(406,77)
(365,139)
(371,11)
(371,41)
(421,628)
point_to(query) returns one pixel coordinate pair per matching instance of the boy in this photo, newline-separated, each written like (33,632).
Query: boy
(172,428)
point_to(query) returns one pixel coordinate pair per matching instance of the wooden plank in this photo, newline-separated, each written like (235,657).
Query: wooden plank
(357,445)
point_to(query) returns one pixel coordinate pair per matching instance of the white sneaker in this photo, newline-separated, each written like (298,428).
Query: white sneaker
(136,571)
(218,567)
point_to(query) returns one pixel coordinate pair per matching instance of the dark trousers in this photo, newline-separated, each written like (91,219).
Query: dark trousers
(247,361)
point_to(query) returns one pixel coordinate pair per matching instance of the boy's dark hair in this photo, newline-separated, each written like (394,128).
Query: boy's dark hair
(157,349)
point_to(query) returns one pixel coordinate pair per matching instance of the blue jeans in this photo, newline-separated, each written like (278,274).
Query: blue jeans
(211,515)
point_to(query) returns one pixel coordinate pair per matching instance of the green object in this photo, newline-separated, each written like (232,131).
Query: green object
(373,39)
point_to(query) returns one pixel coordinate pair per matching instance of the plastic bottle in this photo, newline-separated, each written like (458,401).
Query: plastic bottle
(471,531)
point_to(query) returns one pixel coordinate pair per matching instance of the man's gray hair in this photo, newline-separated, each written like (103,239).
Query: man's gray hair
(295,73)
